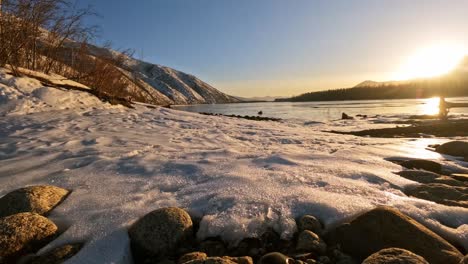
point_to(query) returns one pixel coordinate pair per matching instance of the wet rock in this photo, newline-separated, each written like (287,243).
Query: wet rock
(385,227)
(34,199)
(24,233)
(440,193)
(421,164)
(160,233)
(308,241)
(454,148)
(308,222)
(394,256)
(276,258)
(422,176)
(213,247)
(192,256)
(57,256)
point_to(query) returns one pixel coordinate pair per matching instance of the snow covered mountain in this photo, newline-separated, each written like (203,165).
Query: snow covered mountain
(165,85)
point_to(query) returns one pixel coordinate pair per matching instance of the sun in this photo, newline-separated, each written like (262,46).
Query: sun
(430,62)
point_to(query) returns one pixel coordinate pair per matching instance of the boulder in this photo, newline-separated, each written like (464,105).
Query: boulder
(440,193)
(160,233)
(192,256)
(421,164)
(394,256)
(57,255)
(24,233)
(308,241)
(454,148)
(34,199)
(309,222)
(386,227)
(275,258)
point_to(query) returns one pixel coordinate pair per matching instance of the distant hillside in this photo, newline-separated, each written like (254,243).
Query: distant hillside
(450,85)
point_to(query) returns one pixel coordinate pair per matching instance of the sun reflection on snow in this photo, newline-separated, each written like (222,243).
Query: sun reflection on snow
(430,106)
(419,149)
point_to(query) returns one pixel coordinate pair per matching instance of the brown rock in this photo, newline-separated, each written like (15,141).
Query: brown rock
(275,258)
(34,199)
(160,233)
(422,176)
(309,222)
(427,165)
(192,256)
(385,227)
(213,248)
(394,256)
(454,148)
(57,256)
(460,177)
(24,233)
(308,241)
(214,260)
(440,193)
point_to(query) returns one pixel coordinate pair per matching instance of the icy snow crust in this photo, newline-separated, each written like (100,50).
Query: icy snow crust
(240,177)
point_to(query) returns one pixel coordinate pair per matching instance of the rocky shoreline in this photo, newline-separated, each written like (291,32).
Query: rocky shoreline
(168,235)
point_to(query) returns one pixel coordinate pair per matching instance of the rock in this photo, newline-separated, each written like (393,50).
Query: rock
(34,199)
(160,233)
(214,260)
(249,247)
(213,248)
(464,260)
(385,227)
(240,260)
(342,258)
(454,148)
(275,258)
(57,256)
(324,260)
(270,241)
(422,176)
(192,256)
(460,177)
(344,116)
(308,222)
(24,233)
(308,241)
(421,164)
(440,193)
(394,256)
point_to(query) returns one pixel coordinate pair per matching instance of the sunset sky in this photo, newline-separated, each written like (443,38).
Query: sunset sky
(281,47)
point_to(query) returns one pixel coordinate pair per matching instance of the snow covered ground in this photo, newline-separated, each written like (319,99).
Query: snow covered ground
(239,176)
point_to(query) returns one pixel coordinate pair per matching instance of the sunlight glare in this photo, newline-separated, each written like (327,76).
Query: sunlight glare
(431,62)
(431,106)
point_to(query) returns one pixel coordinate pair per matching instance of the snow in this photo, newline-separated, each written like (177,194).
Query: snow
(24,95)
(239,176)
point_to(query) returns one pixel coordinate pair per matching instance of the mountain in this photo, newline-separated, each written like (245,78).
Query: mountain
(453,84)
(160,84)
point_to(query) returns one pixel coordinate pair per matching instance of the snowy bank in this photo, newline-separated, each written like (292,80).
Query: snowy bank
(239,176)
